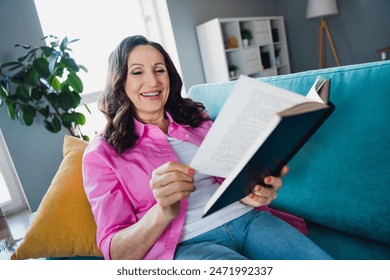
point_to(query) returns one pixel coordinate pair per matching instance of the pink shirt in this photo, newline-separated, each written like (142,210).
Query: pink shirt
(117,186)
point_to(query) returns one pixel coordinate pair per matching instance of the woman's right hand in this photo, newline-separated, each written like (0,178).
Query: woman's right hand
(171,183)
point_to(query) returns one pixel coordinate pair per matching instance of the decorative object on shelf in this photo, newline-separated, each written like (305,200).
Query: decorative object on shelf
(44,81)
(246,36)
(233,70)
(323,8)
(383,52)
(232,43)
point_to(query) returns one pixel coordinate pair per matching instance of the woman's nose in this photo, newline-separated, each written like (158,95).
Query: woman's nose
(151,79)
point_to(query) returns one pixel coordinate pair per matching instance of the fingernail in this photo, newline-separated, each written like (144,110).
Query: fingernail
(191,172)
(267,180)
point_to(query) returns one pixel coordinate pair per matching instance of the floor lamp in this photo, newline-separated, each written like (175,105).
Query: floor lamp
(323,8)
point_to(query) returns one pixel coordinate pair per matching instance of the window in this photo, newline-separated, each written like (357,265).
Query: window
(100,26)
(11,194)
(4,193)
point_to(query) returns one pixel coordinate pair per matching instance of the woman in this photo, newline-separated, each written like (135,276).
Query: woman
(145,197)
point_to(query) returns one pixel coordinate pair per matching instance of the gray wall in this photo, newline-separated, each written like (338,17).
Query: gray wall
(360,28)
(36,153)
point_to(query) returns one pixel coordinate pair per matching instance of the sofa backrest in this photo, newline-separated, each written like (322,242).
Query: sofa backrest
(341,177)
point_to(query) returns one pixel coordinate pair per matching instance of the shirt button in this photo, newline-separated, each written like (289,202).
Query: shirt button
(187,135)
(171,128)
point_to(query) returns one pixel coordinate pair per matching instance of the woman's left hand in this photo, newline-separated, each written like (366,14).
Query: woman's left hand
(261,195)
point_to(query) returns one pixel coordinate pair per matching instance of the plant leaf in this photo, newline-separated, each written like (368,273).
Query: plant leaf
(45,112)
(70,64)
(27,47)
(75,82)
(67,119)
(3,92)
(56,84)
(46,50)
(11,106)
(19,77)
(86,107)
(76,99)
(56,124)
(29,114)
(32,76)
(64,44)
(28,55)
(74,40)
(65,100)
(53,60)
(49,126)
(36,93)
(15,64)
(80,118)
(41,65)
(22,93)
(53,100)
(85,69)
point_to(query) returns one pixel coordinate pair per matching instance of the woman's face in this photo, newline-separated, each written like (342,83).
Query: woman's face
(147,83)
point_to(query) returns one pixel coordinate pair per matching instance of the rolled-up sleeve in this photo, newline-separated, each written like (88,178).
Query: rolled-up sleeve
(106,196)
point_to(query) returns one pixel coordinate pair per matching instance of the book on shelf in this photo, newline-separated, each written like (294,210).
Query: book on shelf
(258,131)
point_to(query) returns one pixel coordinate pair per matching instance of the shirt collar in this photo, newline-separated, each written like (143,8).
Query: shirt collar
(141,128)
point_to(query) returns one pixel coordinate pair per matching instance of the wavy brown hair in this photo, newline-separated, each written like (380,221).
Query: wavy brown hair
(119,111)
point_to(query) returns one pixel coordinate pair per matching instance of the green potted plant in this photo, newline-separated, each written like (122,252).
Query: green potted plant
(246,36)
(44,81)
(232,70)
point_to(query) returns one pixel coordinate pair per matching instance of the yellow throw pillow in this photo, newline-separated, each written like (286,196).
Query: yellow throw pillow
(63,225)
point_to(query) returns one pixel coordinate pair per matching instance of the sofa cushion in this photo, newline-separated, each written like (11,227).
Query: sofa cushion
(341,177)
(63,224)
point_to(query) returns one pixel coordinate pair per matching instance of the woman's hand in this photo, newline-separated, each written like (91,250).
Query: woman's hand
(261,195)
(171,183)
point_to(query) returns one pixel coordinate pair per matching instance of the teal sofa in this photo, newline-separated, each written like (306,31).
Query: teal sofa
(340,181)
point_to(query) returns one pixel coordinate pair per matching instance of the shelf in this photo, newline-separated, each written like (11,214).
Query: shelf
(232,50)
(266,55)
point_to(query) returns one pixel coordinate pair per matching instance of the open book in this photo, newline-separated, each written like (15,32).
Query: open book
(257,132)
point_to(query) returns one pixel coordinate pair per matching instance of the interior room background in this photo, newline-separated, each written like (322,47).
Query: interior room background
(360,28)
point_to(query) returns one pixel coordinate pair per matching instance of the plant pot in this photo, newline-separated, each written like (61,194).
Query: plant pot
(232,74)
(245,42)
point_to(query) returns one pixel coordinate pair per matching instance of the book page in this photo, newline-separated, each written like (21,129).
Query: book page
(313,92)
(244,117)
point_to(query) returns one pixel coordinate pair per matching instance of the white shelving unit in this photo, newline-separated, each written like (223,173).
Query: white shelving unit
(221,45)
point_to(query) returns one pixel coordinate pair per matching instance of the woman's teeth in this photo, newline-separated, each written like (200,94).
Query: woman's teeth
(150,94)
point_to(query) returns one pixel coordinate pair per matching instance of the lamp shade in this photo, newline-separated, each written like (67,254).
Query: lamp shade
(321,8)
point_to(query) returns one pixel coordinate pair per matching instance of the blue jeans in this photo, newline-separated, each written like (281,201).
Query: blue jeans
(256,235)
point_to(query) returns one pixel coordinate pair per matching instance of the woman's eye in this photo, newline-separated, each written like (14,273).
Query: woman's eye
(160,71)
(136,73)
